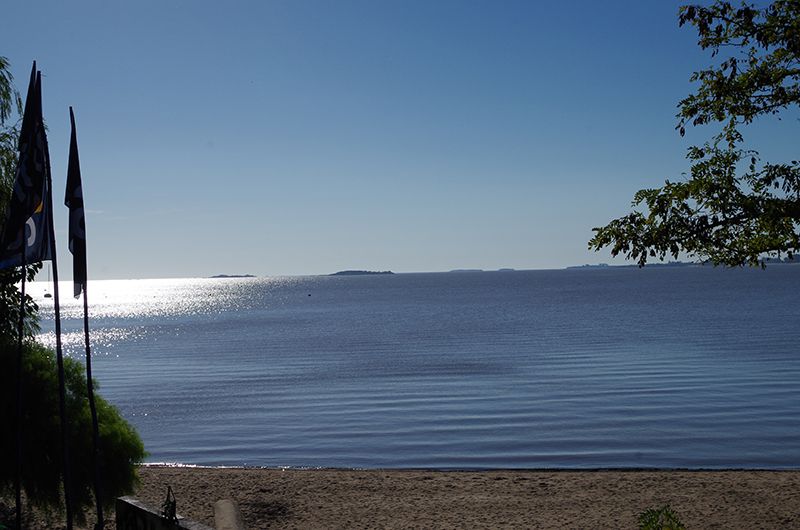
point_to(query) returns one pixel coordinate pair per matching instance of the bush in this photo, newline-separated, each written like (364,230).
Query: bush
(660,519)
(120,449)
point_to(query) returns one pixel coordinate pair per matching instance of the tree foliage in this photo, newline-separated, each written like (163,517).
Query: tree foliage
(9,97)
(120,447)
(734,209)
(10,105)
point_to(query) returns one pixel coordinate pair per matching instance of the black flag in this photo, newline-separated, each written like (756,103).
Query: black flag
(27,224)
(73,198)
(77,223)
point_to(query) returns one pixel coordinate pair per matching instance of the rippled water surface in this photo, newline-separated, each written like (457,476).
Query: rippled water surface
(661,367)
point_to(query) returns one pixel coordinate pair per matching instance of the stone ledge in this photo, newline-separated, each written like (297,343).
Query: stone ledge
(133,514)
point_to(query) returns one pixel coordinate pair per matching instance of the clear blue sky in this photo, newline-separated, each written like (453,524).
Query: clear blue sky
(305,137)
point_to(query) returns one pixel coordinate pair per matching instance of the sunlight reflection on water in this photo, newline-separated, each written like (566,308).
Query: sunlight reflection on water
(137,304)
(154,298)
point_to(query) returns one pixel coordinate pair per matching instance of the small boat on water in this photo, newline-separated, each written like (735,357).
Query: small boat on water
(46,294)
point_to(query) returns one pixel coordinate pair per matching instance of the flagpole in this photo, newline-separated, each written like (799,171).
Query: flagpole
(19,219)
(27,206)
(95,426)
(18,417)
(77,245)
(62,392)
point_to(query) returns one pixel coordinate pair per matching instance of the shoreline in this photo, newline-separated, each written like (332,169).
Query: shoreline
(178,465)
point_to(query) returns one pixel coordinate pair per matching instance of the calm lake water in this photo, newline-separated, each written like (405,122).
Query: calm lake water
(659,367)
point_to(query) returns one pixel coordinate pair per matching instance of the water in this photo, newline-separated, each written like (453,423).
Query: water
(669,367)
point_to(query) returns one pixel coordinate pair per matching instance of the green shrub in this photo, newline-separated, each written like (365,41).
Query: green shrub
(660,519)
(121,449)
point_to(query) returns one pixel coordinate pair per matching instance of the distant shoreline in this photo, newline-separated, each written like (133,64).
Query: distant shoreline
(675,264)
(586,267)
(635,265)
(359,273)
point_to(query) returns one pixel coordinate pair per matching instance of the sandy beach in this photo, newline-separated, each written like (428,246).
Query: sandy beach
(494,499)
(274,498)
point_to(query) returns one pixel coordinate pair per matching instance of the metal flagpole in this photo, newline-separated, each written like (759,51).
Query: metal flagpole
(77,245)
(62,391)
(95,427)
(59,354)
(26,207)
(18,416)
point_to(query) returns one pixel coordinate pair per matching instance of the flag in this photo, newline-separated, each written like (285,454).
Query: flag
(26,222)
(73,199)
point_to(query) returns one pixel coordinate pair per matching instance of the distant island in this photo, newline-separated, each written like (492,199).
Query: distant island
(359,273)
(233,276)
(505,269)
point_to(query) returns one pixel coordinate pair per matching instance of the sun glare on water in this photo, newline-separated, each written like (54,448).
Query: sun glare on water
(124,309)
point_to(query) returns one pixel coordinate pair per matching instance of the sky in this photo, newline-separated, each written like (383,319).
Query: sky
(306,137)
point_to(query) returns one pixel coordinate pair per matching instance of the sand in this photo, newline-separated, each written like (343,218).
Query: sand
(493,499)
(270,498)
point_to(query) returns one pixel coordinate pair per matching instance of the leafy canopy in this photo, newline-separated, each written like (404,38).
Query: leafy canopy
(120,448)
(734,209)
(11,104)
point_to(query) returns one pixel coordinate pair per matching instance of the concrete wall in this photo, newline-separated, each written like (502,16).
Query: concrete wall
(133,514)
(227,515)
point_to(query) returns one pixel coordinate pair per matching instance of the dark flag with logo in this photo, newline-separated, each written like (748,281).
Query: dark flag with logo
(77,223)
(27,217)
